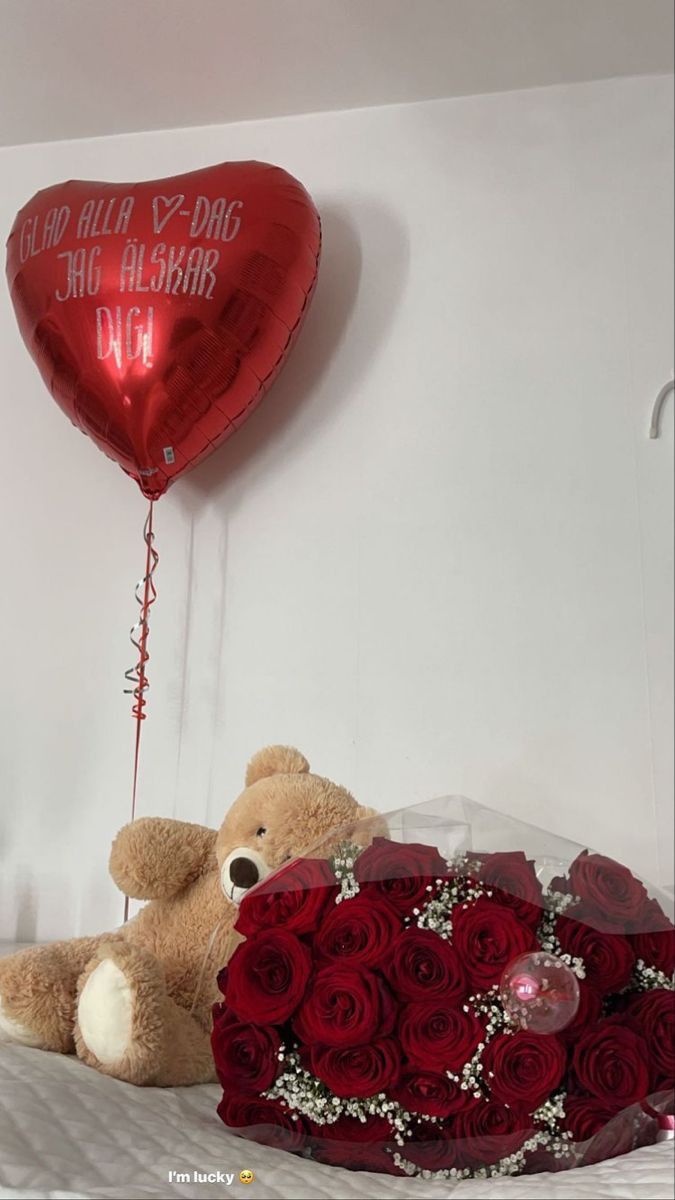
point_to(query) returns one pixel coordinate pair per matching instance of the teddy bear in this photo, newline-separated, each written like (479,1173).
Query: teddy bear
(136,1003)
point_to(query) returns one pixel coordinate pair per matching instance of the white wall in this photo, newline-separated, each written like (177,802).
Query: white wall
(436,558)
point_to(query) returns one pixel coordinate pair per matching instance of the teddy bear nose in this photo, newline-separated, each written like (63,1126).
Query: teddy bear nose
(243,872)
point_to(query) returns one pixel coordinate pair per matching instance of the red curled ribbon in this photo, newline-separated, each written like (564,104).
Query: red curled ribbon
(146,594)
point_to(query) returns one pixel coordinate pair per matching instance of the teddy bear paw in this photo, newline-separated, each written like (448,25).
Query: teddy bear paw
(105,1012)
(15,1032)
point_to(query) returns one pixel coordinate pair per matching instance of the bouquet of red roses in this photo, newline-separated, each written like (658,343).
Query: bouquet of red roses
(445,1005)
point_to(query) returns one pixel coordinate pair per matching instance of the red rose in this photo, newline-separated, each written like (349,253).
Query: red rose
(359,1070)
(487,938)
(608,957)
(246,1056)
(358,1145)
(608,890)
(264,1121)
(588,1012)
(610,1061)
(432,1147)
(654,1013)
(293,898)
(514,877)
(522,1069)
(654,939)
(488,1132)
(585,1115)
(604,1126)
(267,976)
(358,931)
(400,872)
(436,1037)
(423,965)
(431,1094)
(345,1007)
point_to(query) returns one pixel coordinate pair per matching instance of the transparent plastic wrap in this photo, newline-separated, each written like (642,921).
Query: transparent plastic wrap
(446,992)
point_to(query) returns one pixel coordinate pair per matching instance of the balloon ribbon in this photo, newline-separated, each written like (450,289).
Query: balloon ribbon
(145,593)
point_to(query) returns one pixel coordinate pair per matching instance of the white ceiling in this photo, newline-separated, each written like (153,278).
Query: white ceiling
(80,68)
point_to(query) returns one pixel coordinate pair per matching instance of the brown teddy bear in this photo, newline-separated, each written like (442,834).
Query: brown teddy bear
(136,1003)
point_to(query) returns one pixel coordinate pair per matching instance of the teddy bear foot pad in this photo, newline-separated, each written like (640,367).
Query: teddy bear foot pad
(105,1013)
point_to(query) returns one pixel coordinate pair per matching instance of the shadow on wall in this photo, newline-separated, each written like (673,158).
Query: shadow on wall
(367,240)
(24,889)
(26,909)
(363,272)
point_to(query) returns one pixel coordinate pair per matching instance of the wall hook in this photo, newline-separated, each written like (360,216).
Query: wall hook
(655,427)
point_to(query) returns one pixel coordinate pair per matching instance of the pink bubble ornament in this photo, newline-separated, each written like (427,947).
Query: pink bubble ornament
(539,992)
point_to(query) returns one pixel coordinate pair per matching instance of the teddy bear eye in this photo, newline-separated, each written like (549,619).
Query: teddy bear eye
(261,831)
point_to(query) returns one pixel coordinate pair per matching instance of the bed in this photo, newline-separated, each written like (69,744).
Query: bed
(67,1132)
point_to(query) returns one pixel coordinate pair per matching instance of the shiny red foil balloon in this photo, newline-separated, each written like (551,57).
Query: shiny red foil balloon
(159,313)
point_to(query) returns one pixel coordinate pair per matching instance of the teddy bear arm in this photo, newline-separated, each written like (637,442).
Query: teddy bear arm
(154,858)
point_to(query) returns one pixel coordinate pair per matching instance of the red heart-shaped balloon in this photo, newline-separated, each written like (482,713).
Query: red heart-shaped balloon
(160,312)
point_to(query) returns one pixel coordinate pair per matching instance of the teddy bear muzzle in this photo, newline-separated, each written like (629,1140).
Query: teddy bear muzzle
(241,870)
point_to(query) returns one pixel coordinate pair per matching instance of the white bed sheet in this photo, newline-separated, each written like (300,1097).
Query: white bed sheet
(66,1131)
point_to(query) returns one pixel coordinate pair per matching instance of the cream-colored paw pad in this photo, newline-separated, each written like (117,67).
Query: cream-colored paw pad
(14,1031)
(104,1012)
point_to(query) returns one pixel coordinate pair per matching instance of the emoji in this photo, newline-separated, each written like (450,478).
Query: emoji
(246,1176)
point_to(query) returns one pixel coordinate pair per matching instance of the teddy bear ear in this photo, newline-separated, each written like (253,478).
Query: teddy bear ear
(276,760)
